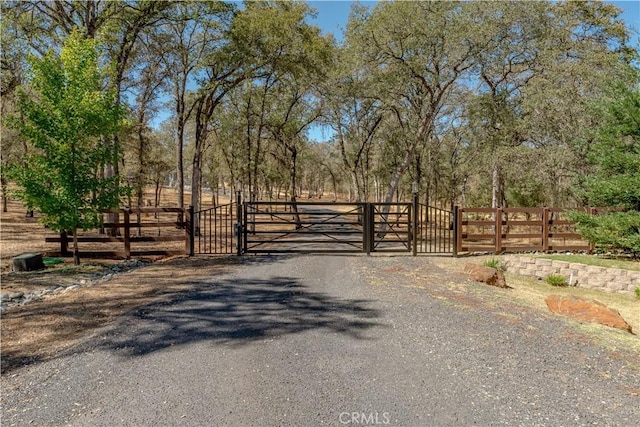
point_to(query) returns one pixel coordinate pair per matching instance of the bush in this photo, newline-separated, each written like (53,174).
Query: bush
(612,231)
(495,263)
(638,292)
(556,280)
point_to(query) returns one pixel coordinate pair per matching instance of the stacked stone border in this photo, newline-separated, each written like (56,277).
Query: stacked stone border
(581,275)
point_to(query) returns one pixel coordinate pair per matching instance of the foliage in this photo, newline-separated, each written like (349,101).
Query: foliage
(638,292)
(477,102)
(556,280)
(616,183)
(495,263)
(612,231)
(66,122)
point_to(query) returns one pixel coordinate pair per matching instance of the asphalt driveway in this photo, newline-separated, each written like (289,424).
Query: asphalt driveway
(329,340)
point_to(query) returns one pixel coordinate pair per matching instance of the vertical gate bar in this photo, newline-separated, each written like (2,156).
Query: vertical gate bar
(429,229)
(459,228)
(421,229)
(245,227)
(455,231)
(437,229)
(212,230)
(414,224)
(442,231)
(239,224)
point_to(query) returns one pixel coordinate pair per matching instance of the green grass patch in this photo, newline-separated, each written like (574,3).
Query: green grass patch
(595,260)
(556,280)
(495,263)
(52,261)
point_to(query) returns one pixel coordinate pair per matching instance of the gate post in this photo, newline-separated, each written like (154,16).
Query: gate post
(190,231)
(239,226)
(368,228)
(365,228)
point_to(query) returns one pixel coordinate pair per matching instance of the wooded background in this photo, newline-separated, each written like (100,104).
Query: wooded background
(479,103)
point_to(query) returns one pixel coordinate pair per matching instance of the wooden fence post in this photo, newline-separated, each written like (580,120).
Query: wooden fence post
(127,233)
(545,229)
(498,231)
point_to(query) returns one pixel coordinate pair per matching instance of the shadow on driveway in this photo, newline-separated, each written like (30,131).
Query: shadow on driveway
(238,312)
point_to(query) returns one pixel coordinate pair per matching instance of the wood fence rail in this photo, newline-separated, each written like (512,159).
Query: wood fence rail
(542,229)
(126,225)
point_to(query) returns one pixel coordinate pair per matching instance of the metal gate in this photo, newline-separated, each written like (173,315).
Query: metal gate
(435,230)
(323,227)
(303,227)
(214,230)
(326,227)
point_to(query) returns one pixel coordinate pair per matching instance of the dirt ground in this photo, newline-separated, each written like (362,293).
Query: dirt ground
(44,328)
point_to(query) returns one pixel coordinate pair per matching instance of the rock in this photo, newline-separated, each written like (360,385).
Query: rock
(586,310)
(487,275)
(28,262)
(15,295)
(4,297)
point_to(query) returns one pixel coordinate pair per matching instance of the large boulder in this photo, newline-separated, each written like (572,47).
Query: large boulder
(28,262)
(586,310)
(487,275)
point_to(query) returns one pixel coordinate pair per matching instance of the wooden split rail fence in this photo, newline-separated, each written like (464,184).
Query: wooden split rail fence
(220,230)
(132,219)
(501,230)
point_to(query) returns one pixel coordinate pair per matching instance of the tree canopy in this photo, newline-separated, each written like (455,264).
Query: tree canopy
(477,102)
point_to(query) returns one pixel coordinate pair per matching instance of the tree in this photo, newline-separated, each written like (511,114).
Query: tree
(67,122)
(616,183)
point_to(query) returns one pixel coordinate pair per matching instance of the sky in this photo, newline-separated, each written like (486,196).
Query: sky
(333,14)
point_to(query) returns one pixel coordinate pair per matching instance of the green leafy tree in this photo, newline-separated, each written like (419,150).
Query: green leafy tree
(616,155)
(68,122)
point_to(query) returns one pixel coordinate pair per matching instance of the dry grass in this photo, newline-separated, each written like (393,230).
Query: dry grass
(530,292)
(40,330)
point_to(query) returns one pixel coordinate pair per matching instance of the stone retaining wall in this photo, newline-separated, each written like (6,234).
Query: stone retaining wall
(584,276)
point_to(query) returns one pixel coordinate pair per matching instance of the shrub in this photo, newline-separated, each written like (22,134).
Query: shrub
(495,263)
(612,231)
(638,292)
(556,280)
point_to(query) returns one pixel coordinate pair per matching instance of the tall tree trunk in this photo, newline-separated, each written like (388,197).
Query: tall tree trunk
(3,184)
(180,158)
(495,187)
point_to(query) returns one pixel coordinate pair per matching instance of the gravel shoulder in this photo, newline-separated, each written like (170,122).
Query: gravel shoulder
(307,340)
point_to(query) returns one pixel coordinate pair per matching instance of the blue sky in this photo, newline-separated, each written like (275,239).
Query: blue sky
(333,14)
